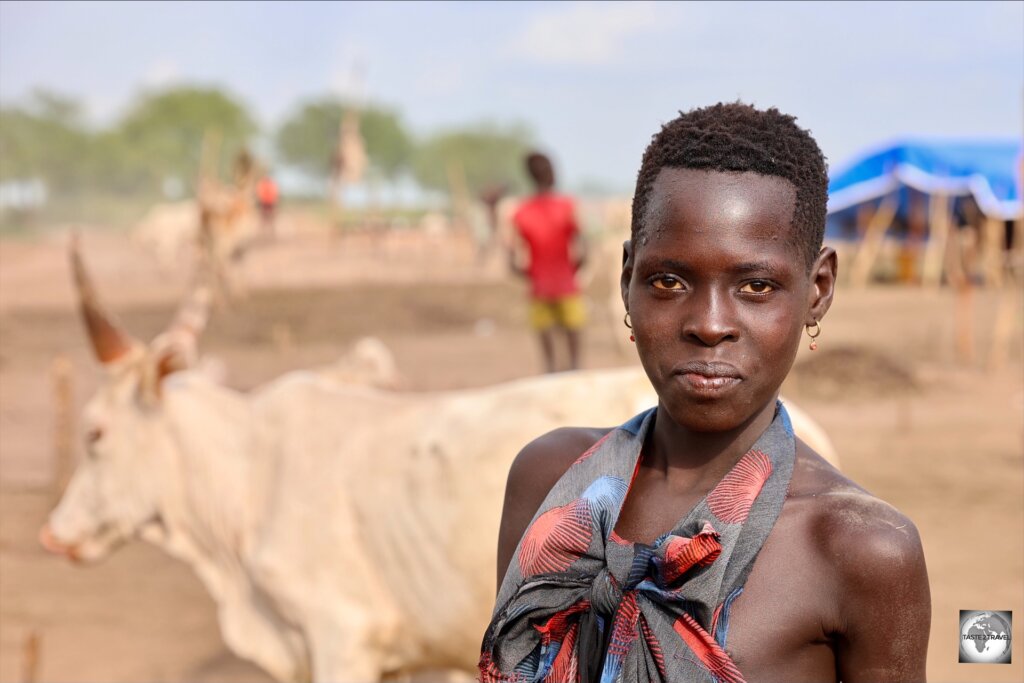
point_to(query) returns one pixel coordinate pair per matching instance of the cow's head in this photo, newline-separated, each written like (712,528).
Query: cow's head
(114,493)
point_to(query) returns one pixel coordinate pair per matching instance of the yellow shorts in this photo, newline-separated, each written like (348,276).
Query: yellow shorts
(567,312)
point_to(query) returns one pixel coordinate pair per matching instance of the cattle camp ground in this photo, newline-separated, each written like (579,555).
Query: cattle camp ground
(938,437)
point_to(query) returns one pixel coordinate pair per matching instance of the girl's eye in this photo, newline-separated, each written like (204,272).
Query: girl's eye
(757,287)
(666,282)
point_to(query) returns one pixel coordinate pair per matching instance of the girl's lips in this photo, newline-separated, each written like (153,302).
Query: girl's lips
(705,385)
(707,369)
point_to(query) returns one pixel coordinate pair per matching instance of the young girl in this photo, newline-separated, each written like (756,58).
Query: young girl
(701,541)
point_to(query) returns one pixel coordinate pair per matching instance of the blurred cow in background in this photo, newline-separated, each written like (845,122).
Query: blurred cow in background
(219,225)
(227,212)
(345,532)
(168,230)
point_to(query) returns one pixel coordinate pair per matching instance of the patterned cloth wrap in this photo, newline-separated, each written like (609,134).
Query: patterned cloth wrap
(578,603)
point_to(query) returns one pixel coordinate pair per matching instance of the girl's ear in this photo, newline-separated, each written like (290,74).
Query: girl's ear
(823,284)
(627,271)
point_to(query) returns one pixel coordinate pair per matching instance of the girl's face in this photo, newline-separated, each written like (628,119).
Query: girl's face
(719,294)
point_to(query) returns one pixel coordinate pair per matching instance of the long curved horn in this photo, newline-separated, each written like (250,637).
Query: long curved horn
(194,311)
(175,349)
(109,341)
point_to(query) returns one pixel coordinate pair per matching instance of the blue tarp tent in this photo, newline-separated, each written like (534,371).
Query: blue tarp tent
(987,170)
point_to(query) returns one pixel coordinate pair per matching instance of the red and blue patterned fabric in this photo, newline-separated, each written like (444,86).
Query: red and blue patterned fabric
(580,604)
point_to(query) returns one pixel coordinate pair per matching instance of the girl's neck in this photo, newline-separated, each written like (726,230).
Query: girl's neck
(693,459)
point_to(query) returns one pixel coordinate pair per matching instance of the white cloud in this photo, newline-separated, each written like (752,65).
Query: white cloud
(584,33)
(161,73)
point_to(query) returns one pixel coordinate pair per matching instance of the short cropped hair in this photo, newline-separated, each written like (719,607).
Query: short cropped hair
(540,169)
(738,137)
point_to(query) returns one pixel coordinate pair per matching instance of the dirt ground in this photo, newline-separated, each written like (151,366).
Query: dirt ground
(943,443)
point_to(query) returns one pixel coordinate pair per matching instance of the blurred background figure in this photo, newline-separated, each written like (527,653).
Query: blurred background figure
(555,249)
(266,196)
(490,196)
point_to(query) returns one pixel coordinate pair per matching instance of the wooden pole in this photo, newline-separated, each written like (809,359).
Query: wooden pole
(337,183)
(1002,330)
(61,371)
(352,160)
(963,323)
(1009,302)
(30,657)
(1013,267)
(958,263)
(459,191)
(337,188)
(871,244)
(993,250)
(917,232)
(938,235)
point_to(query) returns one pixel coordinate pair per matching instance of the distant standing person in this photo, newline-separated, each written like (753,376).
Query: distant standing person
(266,196)
(546,224)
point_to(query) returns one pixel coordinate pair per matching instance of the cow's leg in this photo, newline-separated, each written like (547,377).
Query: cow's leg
(252,630)
(346,646)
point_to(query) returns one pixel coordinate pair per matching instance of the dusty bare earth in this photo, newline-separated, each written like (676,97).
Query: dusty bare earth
(943,443)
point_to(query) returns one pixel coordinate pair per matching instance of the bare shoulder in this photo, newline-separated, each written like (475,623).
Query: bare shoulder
(849,522)
(544,460)
(871,557)
(840,585)
(536,468)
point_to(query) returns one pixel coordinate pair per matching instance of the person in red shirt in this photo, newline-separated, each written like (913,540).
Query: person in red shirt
(266,196)
(546,225)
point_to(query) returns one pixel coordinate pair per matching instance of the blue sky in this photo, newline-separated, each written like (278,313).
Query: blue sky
(593,80)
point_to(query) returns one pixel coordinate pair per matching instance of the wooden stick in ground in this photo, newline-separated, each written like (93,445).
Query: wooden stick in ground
(871,244)
(1008,308)
(30,657)
(336,186)
(1002,330)
(938,235)
(963,323)
(459,191)
(336,207)
(61,371)
(993,249)
(959,269)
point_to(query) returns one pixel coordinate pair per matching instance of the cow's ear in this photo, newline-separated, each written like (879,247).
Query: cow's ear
(173,359)
(169,353)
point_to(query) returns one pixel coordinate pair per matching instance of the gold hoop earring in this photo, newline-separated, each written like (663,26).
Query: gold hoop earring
(814,335)
(629,323)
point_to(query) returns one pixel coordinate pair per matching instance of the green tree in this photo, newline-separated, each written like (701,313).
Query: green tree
(45,139)
(162,134)
(484,155)
(309,138)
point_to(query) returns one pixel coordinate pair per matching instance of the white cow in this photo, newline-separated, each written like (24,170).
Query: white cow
(346,533)
(219,226)
(168,230)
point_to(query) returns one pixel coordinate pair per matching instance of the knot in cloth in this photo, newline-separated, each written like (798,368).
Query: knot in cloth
(605,593)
